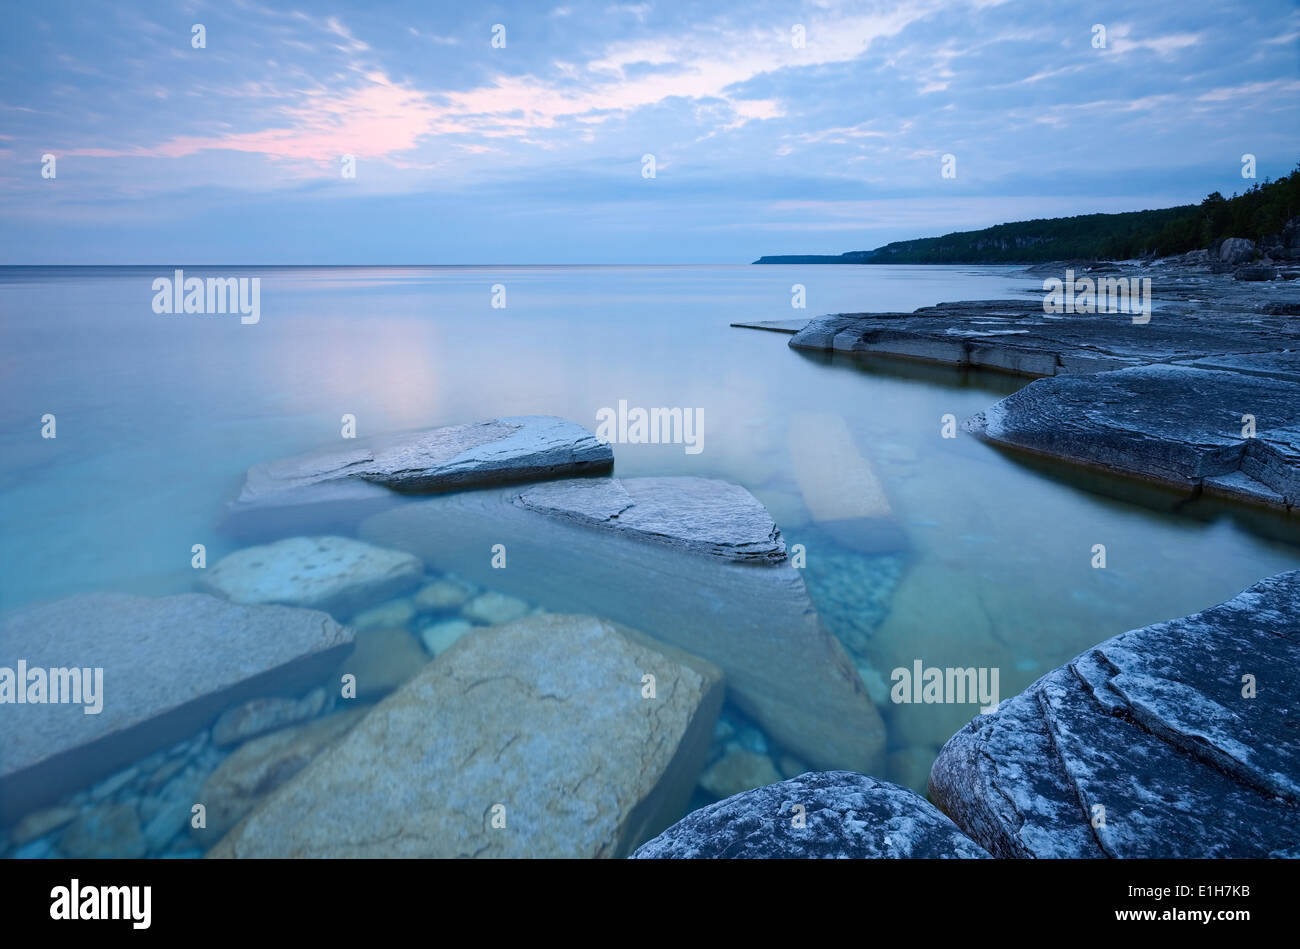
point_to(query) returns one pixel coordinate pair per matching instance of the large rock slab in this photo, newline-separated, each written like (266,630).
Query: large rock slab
(1148,745)
(699,515)
(1017,336)
(337,574)
(335,485)
(690,561)
(532,739)
(170,665)
(844,816)
(1176,425)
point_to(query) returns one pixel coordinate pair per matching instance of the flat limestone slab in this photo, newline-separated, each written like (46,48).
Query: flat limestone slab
(328,486)
(1016,336)
(719,587)
(171,664)
(840,486)
(531,739)
(700,515)
(1147,745)
(845,816)
(775,326)
(339,575)
(1171,424)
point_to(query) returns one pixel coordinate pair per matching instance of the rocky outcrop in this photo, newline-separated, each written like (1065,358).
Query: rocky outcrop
(336,574)
(1175,740)
(1236,250)
(334,485)
(829,814)
(693,562)
(170,665)
(1018,337)
(1177,425)
(539,738)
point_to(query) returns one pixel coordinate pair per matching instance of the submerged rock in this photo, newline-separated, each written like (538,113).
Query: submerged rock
(39,823)
(169,664)
(387,615)
(827,814)
(442,595)
(439,637)
(382,661)
(532,739)
(738,770)
(336,574)
(493,608)
(265,715)
(262,765)
(336,482)
(106,831)
(691,561)
(1172,741)
(840,487)
(1172,424)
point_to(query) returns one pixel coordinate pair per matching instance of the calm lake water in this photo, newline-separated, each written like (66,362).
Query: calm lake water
(159,416)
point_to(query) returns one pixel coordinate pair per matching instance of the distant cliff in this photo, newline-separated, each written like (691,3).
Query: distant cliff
(1261,211)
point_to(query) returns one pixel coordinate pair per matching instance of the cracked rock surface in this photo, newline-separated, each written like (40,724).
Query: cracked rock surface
(701,515)
(844,815)
(1146,745)
(531,739)
(337,481)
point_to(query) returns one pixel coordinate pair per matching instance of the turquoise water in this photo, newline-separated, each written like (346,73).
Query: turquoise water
(159,416)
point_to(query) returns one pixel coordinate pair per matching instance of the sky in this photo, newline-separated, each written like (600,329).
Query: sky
(498,133)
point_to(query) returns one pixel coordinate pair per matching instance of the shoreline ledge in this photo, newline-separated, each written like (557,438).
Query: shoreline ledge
(1017,337)
(1175,425)
(1153,744)
(1203,397)
(309,492)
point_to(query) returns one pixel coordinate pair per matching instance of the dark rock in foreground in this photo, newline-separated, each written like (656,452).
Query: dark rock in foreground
(1146,745)
(346,478)
(845,815)
(170,665)
(1172,424)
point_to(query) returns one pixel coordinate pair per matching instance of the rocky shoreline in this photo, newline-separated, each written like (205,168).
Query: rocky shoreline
(1199,392)
(366,688)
